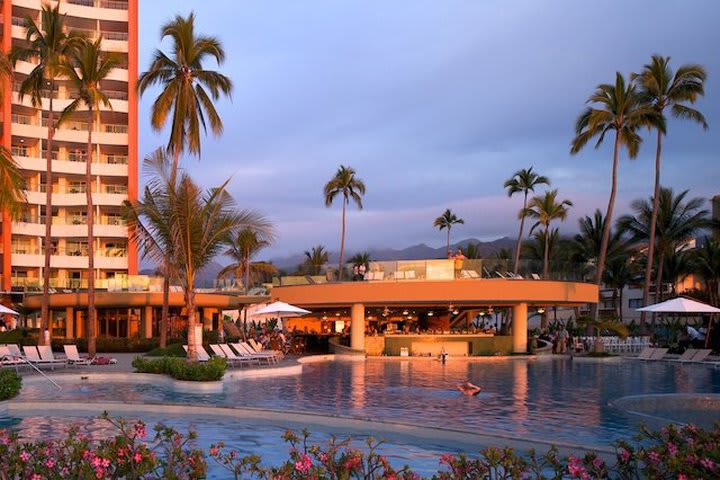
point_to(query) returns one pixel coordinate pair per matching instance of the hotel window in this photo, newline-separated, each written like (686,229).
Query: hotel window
(635,303)
(76,248)
(76,186)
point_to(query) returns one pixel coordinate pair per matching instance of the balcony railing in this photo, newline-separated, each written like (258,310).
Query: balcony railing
(116,189)
(72,220)
(441,269)
(111,4)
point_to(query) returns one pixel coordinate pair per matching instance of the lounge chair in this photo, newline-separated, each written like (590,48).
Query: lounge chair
(202,354)
(219,352)
(32,356)
(73,357)
(230,355)
(14,349)
(658,354)
(535,276)
(47,355)
(244,350)
(701,355)
(645,353)
(687,356)
(9,360)
(254,347)
(399,275)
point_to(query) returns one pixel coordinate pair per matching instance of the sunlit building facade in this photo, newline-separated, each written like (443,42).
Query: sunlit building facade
(114,156)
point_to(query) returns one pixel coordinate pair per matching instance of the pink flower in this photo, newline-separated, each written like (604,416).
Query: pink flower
(624,455)
(214,451)
(24,456)
(672,449)
(36,476)
(654,457)
(707,463)
(682,476)
(304,464)
(138,457)
(140,430)
(597,463)
(323,457)
(49,463)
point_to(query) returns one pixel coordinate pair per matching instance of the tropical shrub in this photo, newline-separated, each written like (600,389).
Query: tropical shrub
(172,350)
(674,452)
(180,369)
(10,384)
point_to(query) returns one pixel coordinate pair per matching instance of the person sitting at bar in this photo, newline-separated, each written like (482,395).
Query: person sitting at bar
(469,389)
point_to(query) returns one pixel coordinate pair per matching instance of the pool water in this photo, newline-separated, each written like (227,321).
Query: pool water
(553,399)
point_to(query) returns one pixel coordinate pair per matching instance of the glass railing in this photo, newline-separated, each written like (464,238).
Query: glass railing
(72,220)
(116,189)
(443,269)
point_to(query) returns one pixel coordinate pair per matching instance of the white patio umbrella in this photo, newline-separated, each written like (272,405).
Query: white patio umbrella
(686,306)
(282,309)
(6,310)
(680,305)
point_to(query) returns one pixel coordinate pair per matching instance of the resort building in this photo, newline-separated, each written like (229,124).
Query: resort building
(114,156)
(426,307)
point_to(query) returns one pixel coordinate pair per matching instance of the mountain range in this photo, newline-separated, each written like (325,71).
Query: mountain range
(414,252)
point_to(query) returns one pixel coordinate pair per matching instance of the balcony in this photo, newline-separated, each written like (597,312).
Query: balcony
(109,165)
(113,10)
(71,226)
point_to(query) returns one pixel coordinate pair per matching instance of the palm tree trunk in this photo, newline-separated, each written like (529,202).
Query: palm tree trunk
(516,261)
(91,334)
(247,270)
(165,314)
(546,254)
(342,243)
(608,219)
(192,353)
(659,277)
(653,226)
(448,239)
(45,304)
(620,307)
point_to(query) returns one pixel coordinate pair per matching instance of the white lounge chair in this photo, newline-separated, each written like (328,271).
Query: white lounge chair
(47,355)
(202,354)
(399,275)
(687,356)
(701,355)
(73,357)
(535,276)
(32,356)
(14,349)
(244,350)
(658,354)
(232,357)
(9,360)
(254,347)
(645,353)
(219,352)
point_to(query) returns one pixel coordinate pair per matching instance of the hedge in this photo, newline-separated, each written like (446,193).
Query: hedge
(10,384)
(180,369)
(172,350)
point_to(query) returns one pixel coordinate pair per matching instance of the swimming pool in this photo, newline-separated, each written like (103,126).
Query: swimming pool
(553,399)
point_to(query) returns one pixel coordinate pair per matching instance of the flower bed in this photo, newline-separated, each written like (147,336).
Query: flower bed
(682,453)
(181,369)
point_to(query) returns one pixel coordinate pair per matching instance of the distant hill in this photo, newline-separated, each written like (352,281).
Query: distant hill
(414,252)
(204,279)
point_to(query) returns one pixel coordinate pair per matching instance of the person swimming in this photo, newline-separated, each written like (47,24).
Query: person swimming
(468,388)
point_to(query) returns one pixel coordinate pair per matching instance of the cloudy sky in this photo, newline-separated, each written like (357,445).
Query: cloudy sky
(435,104)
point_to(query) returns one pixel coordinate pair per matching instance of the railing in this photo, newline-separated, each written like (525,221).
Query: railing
(72,220)
(23,119)
(110,159)
(114,159)
(111,4)
(116,189)
(443,269)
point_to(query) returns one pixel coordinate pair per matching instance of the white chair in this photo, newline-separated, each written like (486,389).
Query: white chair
(231,357)
(535,276)
(399,276)
(73,357)
(9,360)
(246,350)
(32,356)
(202,354)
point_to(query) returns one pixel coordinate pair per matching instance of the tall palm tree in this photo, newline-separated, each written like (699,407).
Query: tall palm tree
(523,181)
(12,181)
(662,88)
(678,220)
(707,264)
(50,46)
(243,245)
(446,221)
(188,88)
(545,209)
(616,108)
(148,223)
(85,70)
(346,184)
(587,243)
(315,258)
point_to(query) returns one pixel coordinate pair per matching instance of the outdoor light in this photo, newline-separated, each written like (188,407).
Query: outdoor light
(482,314)
(456,311)
(337,314)
(430,314)
(541,310)
(324,317)
(405,312)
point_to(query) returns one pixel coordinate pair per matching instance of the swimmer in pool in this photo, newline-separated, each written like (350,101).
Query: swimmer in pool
(469,389)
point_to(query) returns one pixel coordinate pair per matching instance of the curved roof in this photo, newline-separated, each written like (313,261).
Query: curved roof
(142,299)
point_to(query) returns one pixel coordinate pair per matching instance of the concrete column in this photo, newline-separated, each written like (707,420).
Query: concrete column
(69,323)
(519,328)
(148,317)
(357,326)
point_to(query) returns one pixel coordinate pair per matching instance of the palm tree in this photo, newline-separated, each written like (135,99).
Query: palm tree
(662,88)
(148,223)
(344,183)
(587,243)
(188,89)
(707,265)
(243,245)
(473,251)
(621,270)
(85,70)
(361,258)
(49,46)
(12,181)
(523,181)
(545,209)
(315,258)
(446,221)
(618,108)
(534,249)
(678,220)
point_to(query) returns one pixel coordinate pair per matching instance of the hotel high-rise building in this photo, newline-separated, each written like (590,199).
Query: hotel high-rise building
(114,155)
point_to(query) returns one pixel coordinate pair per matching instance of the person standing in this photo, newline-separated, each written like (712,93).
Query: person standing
(459,259)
